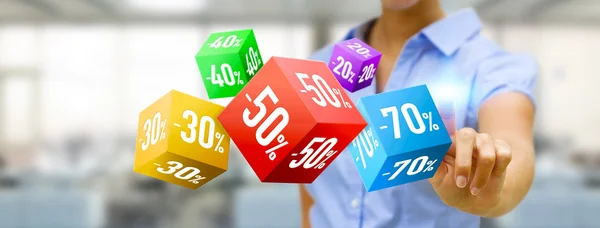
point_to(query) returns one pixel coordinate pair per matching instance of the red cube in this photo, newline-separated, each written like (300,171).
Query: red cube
(291,120)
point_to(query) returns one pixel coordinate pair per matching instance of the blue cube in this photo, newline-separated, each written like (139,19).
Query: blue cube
(405,140)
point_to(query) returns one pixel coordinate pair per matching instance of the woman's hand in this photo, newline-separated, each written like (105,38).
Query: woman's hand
(471,176)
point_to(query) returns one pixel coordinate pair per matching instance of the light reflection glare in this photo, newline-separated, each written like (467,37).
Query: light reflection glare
(448,92)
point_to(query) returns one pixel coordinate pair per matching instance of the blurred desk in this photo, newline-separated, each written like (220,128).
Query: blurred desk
(546,208)
(50,208)
(558,198)
(267,206)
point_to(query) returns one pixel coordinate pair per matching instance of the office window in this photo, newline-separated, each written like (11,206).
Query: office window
(567,101)
(19,47)
(80,76)
(18,120)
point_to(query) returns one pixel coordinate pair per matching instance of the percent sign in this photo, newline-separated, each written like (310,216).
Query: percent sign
(327,156)
(220,137)
(339,93)
(197,179)
(239,79)
(369,144)
(419,129)
(238,42)
(432,126)
(430,165)
(413,169)
(162,129)
(271,151)
(351,78)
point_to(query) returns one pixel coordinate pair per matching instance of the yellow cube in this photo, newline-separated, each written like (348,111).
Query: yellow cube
(181,141)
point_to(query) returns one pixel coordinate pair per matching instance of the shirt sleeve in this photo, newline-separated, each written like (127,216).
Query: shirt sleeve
(504,73)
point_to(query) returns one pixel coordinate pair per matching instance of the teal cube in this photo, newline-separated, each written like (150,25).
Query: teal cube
(405,139)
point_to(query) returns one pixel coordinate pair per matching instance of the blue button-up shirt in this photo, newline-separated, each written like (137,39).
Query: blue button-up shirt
(450,48)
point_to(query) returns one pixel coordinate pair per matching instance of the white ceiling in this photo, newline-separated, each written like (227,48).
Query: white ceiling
(238,10)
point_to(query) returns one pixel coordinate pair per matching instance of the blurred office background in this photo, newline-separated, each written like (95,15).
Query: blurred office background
(74,75)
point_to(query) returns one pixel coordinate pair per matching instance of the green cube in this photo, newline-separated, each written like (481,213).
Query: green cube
(227,61)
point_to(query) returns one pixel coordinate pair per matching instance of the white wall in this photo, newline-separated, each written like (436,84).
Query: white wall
(567,92)
(18,52)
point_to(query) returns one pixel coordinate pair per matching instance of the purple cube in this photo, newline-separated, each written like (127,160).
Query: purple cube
(354,64)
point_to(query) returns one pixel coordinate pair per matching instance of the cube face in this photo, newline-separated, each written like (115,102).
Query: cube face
(408,167)
(367,73)
(368,154)
(223,75)
(320,91)
(250,57)
(287,122)
(179,137)
(196,133)
(354,64)
(405,140)
(152,131)
(314,153)
(180,170)
(227,61)
(228,42)
(360,49)
(266,120)
(345,67)
(405,120)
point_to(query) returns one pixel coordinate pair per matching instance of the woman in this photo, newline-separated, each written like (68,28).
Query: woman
(489,168)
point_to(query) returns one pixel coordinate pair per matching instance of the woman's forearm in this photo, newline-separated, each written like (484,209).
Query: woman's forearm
(519,177)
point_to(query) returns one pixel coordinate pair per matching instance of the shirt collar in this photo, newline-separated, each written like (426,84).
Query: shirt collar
(447,34)
(453,31)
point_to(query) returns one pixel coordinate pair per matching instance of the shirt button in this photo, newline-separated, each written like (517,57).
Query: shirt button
(354,203)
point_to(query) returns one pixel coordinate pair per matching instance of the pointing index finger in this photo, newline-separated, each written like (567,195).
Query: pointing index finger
(465,142)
